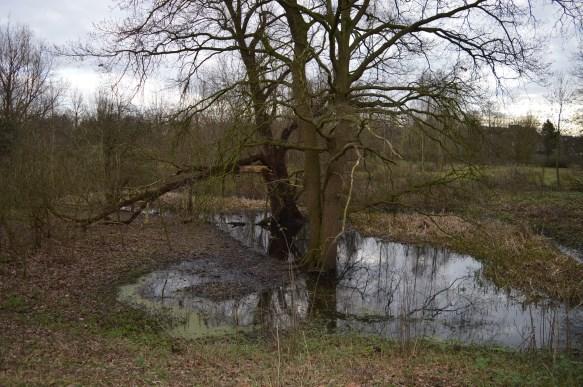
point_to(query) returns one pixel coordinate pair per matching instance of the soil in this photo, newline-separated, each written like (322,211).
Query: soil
(71,271)
(75,279)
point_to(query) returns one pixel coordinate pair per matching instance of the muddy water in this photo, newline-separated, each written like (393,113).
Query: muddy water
(383,288)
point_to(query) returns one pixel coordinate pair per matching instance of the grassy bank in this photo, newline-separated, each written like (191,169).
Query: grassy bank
(509,217)
(556,214)
(65,354)
(513,256)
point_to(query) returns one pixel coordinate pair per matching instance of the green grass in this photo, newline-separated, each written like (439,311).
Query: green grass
(14,303)
(127,346)
(308,356)
(536,175)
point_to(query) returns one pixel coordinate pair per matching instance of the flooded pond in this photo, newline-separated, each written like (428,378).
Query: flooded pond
(383,288)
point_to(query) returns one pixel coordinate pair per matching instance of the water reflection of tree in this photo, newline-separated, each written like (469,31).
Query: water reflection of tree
(263,233)
(407,291)
(400,283)
(284,307)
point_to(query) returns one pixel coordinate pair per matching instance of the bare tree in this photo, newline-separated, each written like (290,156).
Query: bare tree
(577,73)
(368,58)
(197,36)
(561,95)
(371,54)
(77,107)
(25,68)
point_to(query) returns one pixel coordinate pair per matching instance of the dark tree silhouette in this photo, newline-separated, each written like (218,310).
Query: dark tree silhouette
(549,134)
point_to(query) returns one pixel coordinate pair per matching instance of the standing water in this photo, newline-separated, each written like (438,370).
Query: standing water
(383,288)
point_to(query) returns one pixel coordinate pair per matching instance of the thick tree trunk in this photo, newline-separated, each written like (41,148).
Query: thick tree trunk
(335,188)
(286,219)
(312,169)
(313,200)
(306,128)
(331,217)
(281,194)
(334,199)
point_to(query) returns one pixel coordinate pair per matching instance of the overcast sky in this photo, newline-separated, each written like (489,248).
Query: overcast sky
(58,22)
(62,21)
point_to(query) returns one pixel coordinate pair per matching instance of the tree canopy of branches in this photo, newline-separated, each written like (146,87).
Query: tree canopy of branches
(25,67)
(326,70)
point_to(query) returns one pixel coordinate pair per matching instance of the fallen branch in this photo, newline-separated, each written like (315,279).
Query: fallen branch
(182,178)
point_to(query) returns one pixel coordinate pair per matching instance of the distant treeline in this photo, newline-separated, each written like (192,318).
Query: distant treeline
(475,143)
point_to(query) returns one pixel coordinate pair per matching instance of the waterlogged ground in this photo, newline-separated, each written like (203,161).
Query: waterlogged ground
(389,289)
(60,324)
(576,254)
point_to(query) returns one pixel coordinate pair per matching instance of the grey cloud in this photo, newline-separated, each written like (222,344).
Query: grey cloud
(56,21)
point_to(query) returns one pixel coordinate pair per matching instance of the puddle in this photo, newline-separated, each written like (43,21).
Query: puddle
(204,298)
(576,254)
(388,289)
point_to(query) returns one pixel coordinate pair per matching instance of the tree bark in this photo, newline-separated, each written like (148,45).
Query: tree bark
(306,127)
(333,197)
(558,157)
(285,215)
